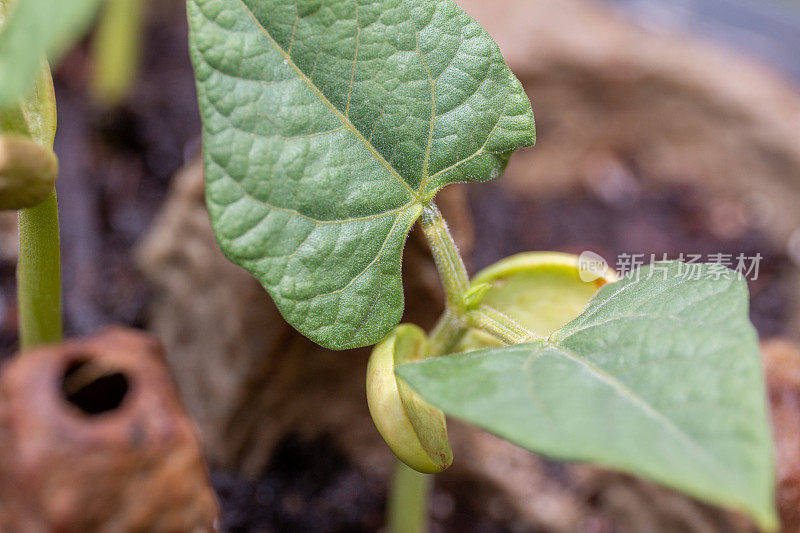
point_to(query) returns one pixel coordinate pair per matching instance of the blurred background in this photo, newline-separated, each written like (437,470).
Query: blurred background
(664,127)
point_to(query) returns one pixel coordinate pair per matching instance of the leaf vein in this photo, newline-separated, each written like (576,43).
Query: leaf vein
(355,61)
(647,409)
(414,194)
(296,213)
(426,161)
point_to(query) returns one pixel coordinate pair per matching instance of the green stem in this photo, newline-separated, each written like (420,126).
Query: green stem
(445,254)
(446,334)
(39,275)
(116,49)
(499,325)
(409,495)
(408,500)
(457,318)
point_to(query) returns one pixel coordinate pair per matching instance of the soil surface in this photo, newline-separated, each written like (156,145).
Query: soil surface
(311,487)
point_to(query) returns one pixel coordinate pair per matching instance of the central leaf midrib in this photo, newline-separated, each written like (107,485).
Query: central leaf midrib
(429,144)
(642,405)
(414,194)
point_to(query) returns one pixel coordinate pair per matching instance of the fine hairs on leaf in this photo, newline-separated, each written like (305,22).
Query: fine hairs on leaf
(327,127)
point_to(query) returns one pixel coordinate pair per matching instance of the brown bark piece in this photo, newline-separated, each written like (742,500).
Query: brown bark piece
(94,438)
(782,368)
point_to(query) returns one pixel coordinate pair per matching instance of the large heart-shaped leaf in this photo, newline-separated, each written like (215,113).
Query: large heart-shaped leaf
(327,126)
(36,29)
(659,376)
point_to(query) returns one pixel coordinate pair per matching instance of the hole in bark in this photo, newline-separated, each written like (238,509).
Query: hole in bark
(92,387)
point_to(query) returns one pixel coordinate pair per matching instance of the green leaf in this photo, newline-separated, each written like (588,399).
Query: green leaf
(36,29)
(35,114)
(28,166)
(659,376)
(327,125)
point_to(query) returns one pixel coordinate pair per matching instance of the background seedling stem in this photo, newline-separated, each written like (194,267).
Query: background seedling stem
(39,275)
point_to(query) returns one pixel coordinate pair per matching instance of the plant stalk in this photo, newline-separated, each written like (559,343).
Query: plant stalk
(116,50)
(448,259)
(499,325)
(39,275)
(446,334)
(456,318)
(408,500)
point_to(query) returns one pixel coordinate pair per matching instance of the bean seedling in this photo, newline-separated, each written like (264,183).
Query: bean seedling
(328,128)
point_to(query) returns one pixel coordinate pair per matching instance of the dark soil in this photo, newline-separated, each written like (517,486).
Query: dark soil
(310,487)
(115,170)
(664,221)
